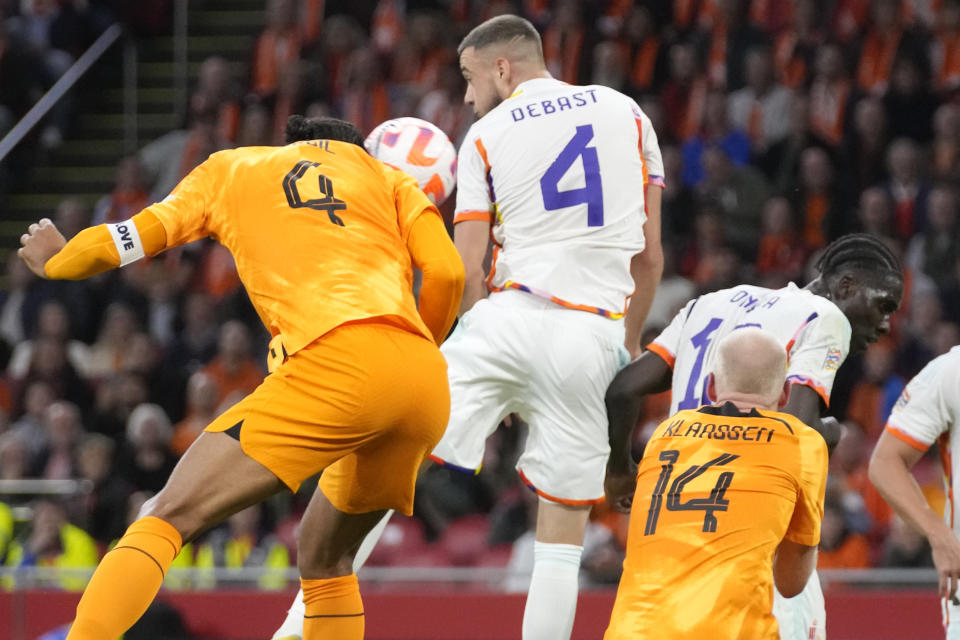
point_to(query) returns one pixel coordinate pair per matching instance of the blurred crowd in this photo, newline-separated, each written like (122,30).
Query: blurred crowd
(783,124)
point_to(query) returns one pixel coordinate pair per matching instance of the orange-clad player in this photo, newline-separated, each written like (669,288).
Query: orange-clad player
(727,496)
(325,239)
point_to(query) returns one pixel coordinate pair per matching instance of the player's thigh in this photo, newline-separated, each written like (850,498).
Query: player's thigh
(321,404)
(485,372)
(567,447)
(213,480)
(408,408)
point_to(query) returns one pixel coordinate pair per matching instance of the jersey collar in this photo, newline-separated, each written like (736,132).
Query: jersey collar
(728,410)
(529,85)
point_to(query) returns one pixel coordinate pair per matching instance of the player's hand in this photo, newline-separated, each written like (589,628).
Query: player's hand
(946,558)
(620,486)
(831,429)
(40,243)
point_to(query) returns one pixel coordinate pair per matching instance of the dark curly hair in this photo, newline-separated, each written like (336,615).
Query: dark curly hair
(303,128)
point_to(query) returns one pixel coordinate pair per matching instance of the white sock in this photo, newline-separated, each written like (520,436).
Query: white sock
(292,626)
(552,600)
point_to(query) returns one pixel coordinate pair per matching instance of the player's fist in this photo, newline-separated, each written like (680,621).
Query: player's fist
(620,485)
(40,243)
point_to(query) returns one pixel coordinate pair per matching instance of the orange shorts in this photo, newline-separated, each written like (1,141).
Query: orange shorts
(365,404)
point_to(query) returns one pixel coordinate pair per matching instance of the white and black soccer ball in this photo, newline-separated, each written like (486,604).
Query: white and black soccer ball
(420,149)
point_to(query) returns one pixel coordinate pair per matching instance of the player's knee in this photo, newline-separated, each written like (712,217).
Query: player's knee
(318,562)
(175,512)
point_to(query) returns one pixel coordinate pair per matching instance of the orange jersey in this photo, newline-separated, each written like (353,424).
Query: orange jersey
(717,491)
(318,231)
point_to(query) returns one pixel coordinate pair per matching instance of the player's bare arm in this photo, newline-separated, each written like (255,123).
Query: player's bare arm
(889,472)
(472,237)
(792,566)
(805,404)
(647,374)
(646,269)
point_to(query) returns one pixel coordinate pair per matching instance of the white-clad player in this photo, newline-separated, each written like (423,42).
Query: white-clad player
(859,286)
(927,412)
(570,177)
(570,180)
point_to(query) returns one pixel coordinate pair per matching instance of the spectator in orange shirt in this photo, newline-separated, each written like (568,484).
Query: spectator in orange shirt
(819,201)
(886,39)
(829,95)
(840,547)
(945,47)
(873,397)
(563,43)
(233,369)
(647,59)
(781,256)
(216,82)
(202,395)
(794,48)
(277,46)
(129,193)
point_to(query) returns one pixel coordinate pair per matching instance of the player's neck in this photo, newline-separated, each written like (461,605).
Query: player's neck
(819,287)
(744,402)
(525,74)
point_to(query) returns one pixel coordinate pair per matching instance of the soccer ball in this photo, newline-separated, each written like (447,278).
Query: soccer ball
(419,148)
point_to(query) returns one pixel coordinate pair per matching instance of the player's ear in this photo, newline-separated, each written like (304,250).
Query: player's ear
(784,395)
(846,285)
(501,76)
(711,388)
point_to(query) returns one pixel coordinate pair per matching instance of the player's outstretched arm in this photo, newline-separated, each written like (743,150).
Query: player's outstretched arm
(889,472)
(92,251)
(647,374)
(434,254)
(646,269)
(472,237)
(792,566)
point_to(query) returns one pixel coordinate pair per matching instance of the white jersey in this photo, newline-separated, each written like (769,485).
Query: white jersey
(560,171)
(928,410)
(812,329)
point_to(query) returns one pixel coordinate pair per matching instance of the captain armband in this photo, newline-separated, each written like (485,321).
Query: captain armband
(127,240)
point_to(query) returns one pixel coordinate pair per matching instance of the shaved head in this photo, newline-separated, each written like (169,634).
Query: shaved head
(751,366)
(508,36)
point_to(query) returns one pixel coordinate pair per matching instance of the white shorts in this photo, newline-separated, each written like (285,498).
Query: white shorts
(804,616)
(516,353)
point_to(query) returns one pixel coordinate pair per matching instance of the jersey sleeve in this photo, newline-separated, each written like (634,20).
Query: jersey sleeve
(922,413)
(667,344)
(474,185)
(811,486)
(410,199)
(186,214)
(818,348)
(649,148)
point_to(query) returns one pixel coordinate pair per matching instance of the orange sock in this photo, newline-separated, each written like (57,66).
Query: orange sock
(333,609)
(126,581)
